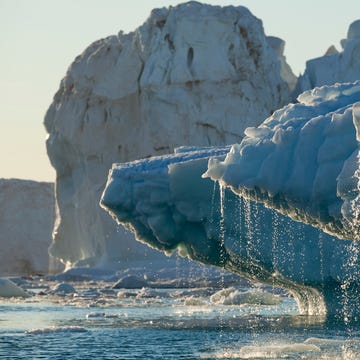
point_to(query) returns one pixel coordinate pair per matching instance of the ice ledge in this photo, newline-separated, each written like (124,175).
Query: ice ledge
(303,161)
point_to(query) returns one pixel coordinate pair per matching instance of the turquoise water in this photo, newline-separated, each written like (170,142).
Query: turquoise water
(98,322)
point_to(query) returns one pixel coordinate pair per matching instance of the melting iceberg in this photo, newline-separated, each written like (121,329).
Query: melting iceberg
(301,161)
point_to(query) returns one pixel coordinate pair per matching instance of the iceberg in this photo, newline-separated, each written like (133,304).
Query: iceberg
(27,215)
(192,74)
(259,208)
(335,66)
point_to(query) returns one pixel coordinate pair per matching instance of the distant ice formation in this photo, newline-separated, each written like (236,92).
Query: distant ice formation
(334,66)
(9,289)
(193,74)
(302,161)
(27,214)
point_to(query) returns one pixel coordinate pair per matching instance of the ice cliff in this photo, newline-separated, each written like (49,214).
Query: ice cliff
(27,214)
(334,66)
(302,161)
(192,74)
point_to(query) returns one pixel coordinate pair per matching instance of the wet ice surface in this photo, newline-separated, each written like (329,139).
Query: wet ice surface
(86,319)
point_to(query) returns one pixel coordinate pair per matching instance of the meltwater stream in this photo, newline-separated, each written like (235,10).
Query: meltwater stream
(95,320)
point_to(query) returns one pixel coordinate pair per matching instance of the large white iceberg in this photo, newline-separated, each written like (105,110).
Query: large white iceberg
(192,74)
(301,161)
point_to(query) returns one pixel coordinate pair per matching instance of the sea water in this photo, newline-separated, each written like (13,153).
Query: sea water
(97,321)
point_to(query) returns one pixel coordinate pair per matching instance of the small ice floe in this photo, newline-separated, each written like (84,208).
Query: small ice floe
(100,315)
(233,296)
(194,301)
(146,293)
(95,315)
(56,329)
(130,282)
(10,289)
(63,289)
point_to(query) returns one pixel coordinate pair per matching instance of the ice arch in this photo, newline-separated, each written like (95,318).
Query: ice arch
(169,204)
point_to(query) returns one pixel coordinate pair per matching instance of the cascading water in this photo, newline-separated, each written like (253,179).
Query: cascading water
(190,214)
(222,225)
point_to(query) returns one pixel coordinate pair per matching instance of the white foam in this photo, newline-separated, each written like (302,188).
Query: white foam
(276,350)
(266,351)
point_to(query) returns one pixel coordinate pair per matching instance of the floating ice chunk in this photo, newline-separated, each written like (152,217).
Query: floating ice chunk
(194,301)
(64,288)
(96,315)
(130,282)
(10,289)
(56,329)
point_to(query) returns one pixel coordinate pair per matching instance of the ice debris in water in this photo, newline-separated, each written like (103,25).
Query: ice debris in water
(130,282)
(233,296)
(194,301)
(63,288)
(56,329)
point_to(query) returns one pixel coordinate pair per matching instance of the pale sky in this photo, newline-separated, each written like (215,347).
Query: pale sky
(40,38)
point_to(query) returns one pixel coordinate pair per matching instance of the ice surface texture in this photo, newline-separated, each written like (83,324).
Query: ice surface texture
(334,66)
(299,162)
(192,74)
(304,161)
(27,213)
